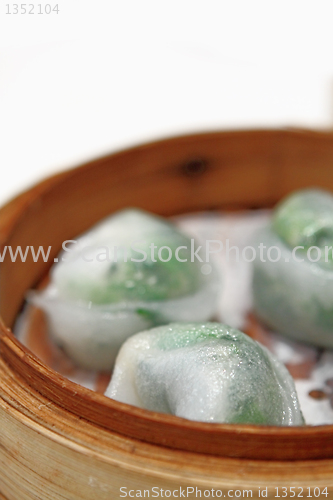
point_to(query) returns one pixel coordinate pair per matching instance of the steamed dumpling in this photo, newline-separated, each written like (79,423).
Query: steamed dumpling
(130,272)
(206,372)
(294,296)
(305,219)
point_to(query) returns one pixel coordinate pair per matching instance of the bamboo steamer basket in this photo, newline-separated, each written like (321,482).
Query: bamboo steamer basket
(59,440)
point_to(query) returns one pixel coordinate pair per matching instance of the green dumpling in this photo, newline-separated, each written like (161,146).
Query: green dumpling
(207,372)
(305,219)
(130,272)
(129,257)
(294,295)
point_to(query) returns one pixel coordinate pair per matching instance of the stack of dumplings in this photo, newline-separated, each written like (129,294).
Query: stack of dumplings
(135,272)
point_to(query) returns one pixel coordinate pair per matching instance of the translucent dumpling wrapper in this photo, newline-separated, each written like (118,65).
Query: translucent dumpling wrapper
(294,294)
(205,372)
(130,272)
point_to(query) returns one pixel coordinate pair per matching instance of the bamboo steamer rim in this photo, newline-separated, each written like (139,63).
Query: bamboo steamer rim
(204,171)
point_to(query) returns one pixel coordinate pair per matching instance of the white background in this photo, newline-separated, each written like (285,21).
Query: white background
(104,74)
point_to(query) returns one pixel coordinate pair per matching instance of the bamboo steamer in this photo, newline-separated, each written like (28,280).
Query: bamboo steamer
(59,440)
